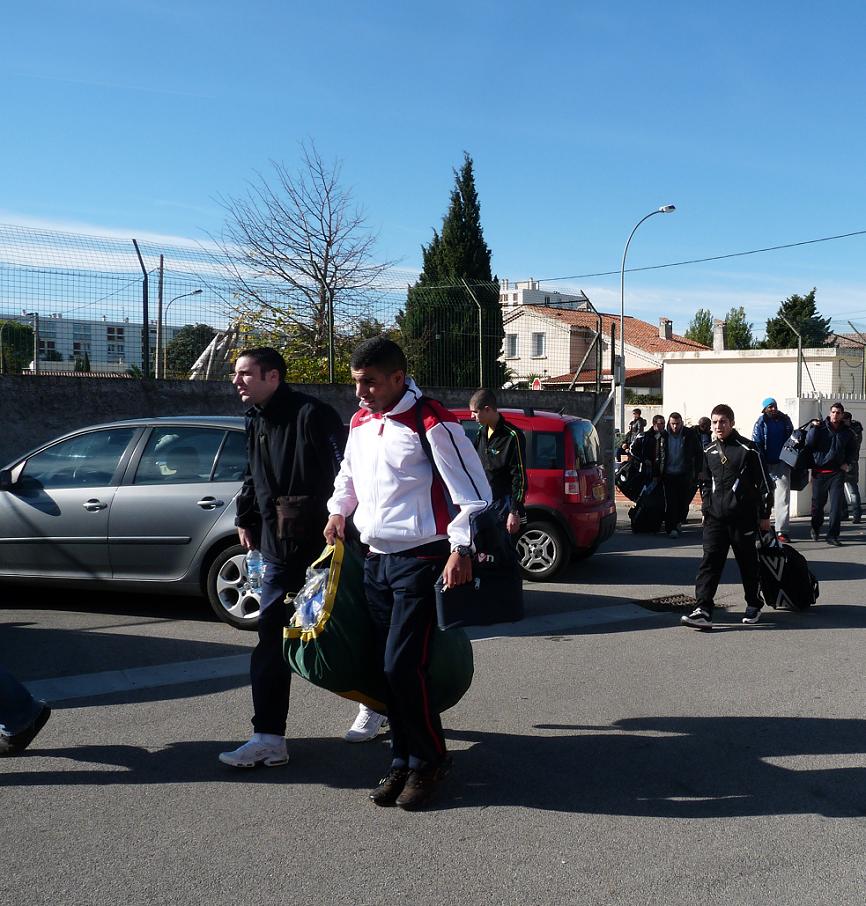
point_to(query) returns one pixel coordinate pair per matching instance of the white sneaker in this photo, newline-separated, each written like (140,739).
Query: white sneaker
(367,724)
(254,752)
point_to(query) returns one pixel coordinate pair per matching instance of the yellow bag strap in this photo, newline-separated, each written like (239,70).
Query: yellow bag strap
(335,552)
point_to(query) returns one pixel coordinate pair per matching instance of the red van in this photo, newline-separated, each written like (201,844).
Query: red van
(568,508)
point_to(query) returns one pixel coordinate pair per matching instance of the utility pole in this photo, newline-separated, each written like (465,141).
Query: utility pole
(160,341)
(145,326)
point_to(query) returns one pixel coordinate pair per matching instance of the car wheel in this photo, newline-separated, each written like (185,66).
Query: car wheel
(228,591)
(541,551)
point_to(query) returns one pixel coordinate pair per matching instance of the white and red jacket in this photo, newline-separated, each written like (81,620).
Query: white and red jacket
(387,482)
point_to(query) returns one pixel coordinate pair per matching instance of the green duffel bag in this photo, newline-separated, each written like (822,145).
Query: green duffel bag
(334,646)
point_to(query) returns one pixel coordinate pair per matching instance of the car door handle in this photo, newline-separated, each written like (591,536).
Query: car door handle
(94,506)
(209,503)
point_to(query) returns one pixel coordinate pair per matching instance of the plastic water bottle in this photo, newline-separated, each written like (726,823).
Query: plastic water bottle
(255,569)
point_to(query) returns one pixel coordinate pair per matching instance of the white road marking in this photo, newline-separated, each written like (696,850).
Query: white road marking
(108,682)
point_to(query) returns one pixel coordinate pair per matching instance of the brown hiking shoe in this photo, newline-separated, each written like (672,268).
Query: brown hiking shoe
(420,785)
(390,787)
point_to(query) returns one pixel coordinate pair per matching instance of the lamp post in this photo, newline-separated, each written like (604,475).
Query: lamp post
(664,209)
(161,345)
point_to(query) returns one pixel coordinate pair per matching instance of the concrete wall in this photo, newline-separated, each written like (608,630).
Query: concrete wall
(694,382)
(36,409)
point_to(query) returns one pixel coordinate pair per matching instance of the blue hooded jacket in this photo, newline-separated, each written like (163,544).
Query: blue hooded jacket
(770,434)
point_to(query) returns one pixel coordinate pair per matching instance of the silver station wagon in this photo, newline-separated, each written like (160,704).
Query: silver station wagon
(145,505)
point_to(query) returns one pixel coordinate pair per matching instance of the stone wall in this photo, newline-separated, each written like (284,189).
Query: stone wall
(36,409)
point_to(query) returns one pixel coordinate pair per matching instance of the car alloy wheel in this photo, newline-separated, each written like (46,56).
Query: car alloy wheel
(228,589)
(541,551)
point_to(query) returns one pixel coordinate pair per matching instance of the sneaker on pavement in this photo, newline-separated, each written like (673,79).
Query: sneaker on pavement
(813,534)
(753,614)
(697,619)
(390,787)
(420,785)
(367,724)
(254,752)
(834,541)
(18,742)
(673,533)
(781,536)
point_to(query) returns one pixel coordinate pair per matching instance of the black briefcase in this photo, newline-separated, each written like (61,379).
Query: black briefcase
(495,595)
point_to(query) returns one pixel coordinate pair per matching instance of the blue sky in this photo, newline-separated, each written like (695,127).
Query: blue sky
(750,117)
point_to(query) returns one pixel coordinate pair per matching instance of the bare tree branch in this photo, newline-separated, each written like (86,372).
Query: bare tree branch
(299,251)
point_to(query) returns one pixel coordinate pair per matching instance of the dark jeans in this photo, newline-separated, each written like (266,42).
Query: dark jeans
(824,486)
(270,677)
(679,490)
(18,708)
(719,537)
(402,603)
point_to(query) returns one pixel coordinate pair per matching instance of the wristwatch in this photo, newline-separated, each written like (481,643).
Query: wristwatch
(462,550)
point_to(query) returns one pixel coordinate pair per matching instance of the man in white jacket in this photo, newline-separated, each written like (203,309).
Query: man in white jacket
(416,521)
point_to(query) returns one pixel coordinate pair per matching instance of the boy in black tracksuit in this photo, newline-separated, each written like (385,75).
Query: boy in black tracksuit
(736,501)
(502,450)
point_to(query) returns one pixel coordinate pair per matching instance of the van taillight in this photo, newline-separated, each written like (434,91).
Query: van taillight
(572,482)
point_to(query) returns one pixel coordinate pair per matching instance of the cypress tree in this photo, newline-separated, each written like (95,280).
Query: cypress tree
(803,314)
(440,323)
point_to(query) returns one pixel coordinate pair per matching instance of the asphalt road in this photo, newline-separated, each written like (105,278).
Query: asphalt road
(604,754)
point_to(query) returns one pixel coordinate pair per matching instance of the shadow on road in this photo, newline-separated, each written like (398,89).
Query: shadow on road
(672,767)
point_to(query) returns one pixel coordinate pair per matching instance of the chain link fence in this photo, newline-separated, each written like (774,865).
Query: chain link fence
(103,305)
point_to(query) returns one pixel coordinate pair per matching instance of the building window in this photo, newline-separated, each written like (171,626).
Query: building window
(511,346)
(514,297)
(547,300)
(114,333)
(537,345)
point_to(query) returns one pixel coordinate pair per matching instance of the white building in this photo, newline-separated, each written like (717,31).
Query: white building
(694,382)
(108,344)
(527,292)
(551,343)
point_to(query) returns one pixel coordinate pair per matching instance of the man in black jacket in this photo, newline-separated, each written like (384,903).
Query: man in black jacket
(650,449)
(502,450)
(683,463)
(736,498)
(834,449)
(294,446)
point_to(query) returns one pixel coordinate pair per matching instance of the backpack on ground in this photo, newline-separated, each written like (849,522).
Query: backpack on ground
(786,582)
(648,513)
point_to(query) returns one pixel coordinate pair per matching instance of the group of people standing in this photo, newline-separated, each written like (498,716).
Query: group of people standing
(742,482)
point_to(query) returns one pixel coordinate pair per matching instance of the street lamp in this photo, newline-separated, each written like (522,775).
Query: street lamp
(664,209)
(162,320)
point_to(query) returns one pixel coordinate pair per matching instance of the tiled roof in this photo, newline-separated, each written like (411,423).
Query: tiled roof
(845,340)
(638,333)
(642,377)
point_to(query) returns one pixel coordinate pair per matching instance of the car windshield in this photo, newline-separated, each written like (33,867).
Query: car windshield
(586,443)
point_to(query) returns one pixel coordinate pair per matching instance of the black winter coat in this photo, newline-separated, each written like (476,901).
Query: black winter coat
(831,449)
(305,439)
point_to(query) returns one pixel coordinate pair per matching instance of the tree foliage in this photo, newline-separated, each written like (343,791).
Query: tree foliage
(440,323)
(700,329)
(16,346)
(300,253)
(803,314)
(303,368)
(185,347)
(738,331)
